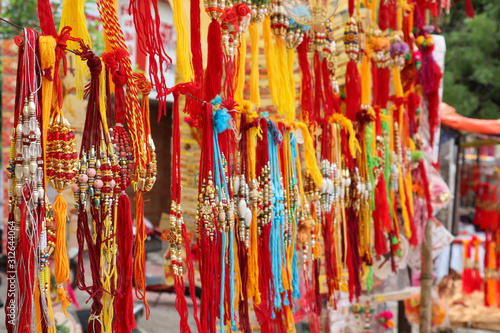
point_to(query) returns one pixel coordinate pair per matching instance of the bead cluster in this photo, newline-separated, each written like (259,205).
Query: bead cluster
(123,146)
(400,52)
(294,35)
(95,178)
(351,39)
(28,169)
(279,19)
(62,158)
(380,46)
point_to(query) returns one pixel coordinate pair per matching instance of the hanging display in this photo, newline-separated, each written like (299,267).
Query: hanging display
(294,206)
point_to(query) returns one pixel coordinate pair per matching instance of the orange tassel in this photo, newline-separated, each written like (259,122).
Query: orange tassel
(467,271)
(491,276)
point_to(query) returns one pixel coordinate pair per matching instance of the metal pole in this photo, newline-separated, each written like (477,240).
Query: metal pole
(426,281)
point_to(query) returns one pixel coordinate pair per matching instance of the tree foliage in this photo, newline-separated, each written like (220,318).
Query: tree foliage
(472,68)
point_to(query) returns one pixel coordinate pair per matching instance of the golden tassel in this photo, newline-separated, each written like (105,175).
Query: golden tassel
(61,263)
(366,81)
(73,15)
(183,48)
(291,60)
(491,277)
(271,65)
(254,75)
(284,88)
(48,60)
(310,155)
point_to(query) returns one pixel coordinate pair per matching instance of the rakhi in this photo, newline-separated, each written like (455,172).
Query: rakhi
(27,271)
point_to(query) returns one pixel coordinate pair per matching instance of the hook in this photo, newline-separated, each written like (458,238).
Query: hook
(12,24)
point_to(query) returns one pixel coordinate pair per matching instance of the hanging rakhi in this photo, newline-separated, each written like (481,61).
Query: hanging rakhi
(235,21)
(275,140)
(353,80)
(243,202)
(380,53)
(177,235)
(330,57)
(142,174)
(430,78)
(123,173)
(365,118)
(264,217)
(94,191)
(26,195)
(401,131)
(62,162)
(317,36)
(214,70)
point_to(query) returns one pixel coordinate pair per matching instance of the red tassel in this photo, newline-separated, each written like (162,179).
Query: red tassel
(330,106)
(46,19)
(477,280)
(383,15)
(383,82)
(306,94)
(119,76)
(147,24)
(382,216)
(193,107)
(353,90)
(213,74)
(469,9)
(124,302)
(318,88)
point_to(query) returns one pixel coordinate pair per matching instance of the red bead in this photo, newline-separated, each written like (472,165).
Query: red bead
(71,135)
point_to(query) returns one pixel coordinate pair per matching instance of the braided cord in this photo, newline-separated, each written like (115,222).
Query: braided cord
(114,33)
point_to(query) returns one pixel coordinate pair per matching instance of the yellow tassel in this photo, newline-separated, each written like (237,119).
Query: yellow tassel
(283,77)
(347,125)
(398,87)
(48,59)
(240,80)
(61,267)
(290,320)
(310,155)
(271,65)
(183,48)
(51,328)
(402,196)
(254,75)
(291,60)
(103,99)
(38,308)
(366,81)
(253,269)
(73,15)
(408,180)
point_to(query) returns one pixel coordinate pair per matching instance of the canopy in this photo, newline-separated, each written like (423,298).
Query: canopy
(452,119)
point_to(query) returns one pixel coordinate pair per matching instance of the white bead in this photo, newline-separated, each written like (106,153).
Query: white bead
(248,217)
